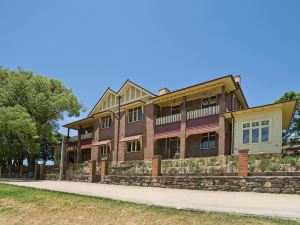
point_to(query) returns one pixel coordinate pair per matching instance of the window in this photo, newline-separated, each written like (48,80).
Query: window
(205,103)
(175,109)
(246,136)
(208,140)
(256,131)
(104,149)
(209,102)
(133,146)
(135,114)
(265,130)
(105,122)
(212,101)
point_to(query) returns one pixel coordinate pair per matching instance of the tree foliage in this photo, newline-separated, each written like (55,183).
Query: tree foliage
(17,133)
(42,101)
(294,129)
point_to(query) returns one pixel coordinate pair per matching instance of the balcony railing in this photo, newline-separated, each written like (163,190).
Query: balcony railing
(213,110)
(87,136)
(168,119)
(83,136)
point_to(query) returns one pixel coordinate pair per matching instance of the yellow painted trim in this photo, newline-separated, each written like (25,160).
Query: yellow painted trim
(188,91)
(288,110)
(76,125)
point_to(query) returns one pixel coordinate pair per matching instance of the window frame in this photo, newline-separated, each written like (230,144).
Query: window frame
(208,135)
(175,107)
(260,126)
(209,101)
(133,114)
(134,149)
(105,119)
(104,148)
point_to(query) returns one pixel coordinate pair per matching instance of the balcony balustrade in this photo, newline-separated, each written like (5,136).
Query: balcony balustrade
(83,136)
(168,119)
(213,110)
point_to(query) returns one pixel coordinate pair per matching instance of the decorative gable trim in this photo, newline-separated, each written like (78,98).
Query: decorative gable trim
(129,92)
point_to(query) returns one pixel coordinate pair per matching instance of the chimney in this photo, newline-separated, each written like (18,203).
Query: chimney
(237,79)
(163,91)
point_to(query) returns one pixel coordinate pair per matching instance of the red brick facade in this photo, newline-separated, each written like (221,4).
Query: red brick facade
(181,130)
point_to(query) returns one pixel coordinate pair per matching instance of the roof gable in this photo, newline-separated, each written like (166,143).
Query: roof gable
(129,92)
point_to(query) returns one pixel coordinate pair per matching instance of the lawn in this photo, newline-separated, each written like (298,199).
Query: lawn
(20,205)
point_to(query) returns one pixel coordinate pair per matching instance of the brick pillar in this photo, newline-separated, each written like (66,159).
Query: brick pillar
(222,136)
(78,160)
(22,170)
(243,163)
(222,101)
(149,137)
(104,169)
(42,172)
(183,129)
(156,166)
(92,171)
(37,172)
(96,136)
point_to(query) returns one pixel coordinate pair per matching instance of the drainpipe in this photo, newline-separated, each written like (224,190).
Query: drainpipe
(232,133)
(119,122)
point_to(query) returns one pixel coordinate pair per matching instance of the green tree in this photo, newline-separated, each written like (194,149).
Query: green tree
(294,129)
(45,100)
(17,133)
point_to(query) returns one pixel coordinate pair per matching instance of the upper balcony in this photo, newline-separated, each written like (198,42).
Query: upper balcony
(193,114)
(83,137)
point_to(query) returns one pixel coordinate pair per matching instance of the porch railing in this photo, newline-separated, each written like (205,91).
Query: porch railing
(213,110)
(83,136)
(87,136)
(168,119)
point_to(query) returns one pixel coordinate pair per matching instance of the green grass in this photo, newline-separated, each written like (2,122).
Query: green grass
(19,204)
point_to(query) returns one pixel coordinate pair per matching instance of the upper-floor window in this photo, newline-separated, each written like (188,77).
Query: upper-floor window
(104,149)
(135,114)
(256,131)
(209,102)
(105,122)
(175,109)
(133,146)
(208,140)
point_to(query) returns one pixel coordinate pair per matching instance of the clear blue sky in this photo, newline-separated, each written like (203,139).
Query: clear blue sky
(91,45)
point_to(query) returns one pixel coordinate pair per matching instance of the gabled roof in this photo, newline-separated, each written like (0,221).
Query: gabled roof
(108,90)
(142,92)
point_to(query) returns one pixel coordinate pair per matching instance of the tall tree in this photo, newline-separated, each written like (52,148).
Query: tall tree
(294,129)
(17,133)
(45,100)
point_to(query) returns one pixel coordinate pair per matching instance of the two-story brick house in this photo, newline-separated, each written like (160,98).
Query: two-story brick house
(206,119)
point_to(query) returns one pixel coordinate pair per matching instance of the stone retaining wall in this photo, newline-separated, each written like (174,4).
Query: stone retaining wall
(286,185)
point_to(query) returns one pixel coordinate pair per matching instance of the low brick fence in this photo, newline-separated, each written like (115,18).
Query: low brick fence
(286,185)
